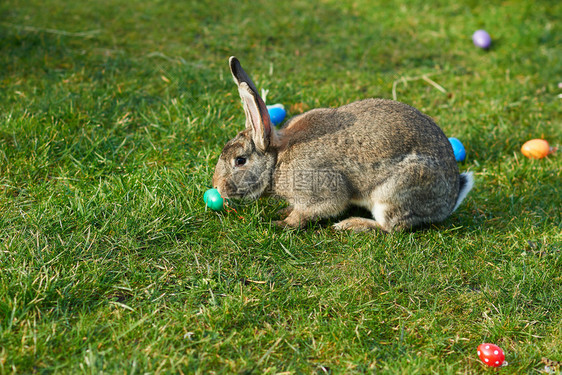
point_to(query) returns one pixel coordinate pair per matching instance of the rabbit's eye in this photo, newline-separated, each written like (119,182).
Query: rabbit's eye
(239,161)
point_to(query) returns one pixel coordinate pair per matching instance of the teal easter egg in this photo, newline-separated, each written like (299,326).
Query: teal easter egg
(213,200)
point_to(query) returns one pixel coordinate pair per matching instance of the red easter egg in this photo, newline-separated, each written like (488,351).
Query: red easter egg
(491,354)
(535,148)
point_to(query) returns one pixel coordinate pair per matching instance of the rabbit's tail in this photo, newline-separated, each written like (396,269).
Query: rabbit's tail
(466,182)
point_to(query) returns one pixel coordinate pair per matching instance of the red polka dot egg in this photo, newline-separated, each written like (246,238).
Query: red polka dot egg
(491,355)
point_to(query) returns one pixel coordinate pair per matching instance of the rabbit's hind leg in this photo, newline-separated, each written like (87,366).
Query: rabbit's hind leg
(390,218)
(393,218)
(357,224)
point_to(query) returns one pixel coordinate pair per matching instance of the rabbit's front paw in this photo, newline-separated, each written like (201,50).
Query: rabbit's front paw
(296,219)
(284,212)
(280,224)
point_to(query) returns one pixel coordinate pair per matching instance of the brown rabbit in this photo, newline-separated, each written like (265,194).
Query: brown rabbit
(378,154)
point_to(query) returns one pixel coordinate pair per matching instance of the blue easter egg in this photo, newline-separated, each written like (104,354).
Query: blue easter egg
(458,149)
(481,39)
(276,114)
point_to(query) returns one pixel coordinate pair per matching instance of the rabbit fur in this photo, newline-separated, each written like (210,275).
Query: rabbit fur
(378,154)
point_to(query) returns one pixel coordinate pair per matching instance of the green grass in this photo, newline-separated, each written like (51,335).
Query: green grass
(112,116)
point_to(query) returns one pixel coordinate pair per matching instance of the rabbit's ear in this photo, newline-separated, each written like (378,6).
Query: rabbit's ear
(239,74)
(257,117)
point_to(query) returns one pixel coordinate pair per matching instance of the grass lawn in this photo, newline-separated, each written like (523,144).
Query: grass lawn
(113,114)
